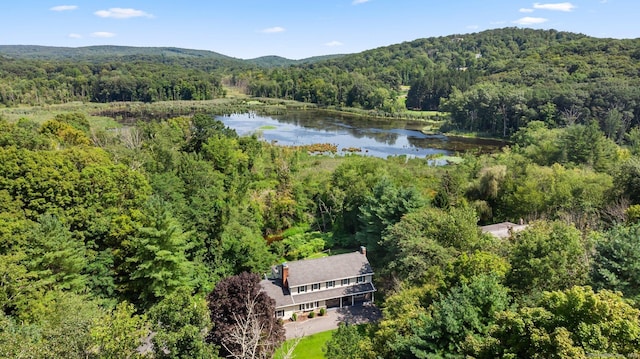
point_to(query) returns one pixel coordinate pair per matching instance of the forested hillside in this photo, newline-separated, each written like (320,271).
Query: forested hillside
(120,233)
(491,82)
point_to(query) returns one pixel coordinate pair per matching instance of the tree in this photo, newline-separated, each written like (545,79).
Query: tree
(157,263)
(616,262)
(586,144)
(547,256)
(386,205)
(181,323)
(351,183)
(243,318)
(627,180)
(120,333)
(345,343)
(418,248)
(572,323)
(204,127)
(57,257)
(463,315)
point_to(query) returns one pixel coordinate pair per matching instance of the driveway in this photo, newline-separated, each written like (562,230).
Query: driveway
(357,314)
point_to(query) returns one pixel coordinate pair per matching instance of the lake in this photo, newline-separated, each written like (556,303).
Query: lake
(372,137)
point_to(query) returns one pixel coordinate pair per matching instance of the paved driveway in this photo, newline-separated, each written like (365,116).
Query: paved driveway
(353,315)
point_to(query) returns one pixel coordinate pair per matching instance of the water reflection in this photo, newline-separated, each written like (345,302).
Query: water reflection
(374,138)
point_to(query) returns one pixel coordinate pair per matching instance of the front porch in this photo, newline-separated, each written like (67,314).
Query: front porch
(350,300)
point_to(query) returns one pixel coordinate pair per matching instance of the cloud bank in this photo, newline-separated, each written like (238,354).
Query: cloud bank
(273,30)
(121,13)
(64,8)
(562,6)
(358,2)
(333,43)
(527,20)
(103,34)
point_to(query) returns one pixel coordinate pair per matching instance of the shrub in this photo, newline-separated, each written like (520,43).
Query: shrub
(323,311)
(294,317)
(311,315)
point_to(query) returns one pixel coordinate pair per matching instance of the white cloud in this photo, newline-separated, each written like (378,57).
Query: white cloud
(527,20)
(358,2)
(472,27)
(74,36)
(501,22)
(525,10)
(120,13)
(103,34)
(273,30)
(64,8)
(333,43)
(561,6)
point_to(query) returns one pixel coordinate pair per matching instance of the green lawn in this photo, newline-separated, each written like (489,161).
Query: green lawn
(309,347)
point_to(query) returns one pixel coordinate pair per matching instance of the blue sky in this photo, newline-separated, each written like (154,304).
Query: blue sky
(295,29)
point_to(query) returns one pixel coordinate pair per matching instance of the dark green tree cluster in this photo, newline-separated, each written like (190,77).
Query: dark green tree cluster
(493,82)
(136,230)
(38,82)
(563,287)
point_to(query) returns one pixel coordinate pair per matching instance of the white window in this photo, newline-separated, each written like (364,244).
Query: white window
(279,313)
(331,284)
(309,306)
(315,286)
(345,281)
(360,279)
(302,289)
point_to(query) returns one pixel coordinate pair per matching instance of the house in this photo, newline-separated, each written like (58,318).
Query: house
(329,282)
(504,229)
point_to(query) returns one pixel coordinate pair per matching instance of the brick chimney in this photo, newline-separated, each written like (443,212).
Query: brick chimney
(285,275)
(363,250)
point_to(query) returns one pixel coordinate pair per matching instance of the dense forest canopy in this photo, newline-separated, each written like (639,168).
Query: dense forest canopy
(493,82)
(109,233)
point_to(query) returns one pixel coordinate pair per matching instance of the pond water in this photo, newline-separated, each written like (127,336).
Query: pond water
(372,138)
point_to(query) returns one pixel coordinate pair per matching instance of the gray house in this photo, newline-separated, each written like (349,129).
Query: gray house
(329,282)
(504,229)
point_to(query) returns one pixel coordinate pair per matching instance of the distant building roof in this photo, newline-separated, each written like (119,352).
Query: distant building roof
(503,230)
(336,267)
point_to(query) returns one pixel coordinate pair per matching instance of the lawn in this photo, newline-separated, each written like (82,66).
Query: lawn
(308,348)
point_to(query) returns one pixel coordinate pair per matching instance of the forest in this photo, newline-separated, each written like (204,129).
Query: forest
(119,234)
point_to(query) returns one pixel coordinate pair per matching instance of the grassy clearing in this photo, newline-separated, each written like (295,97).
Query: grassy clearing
(131,112)
(267,127)
(308,348)
(233,92)
(41,114)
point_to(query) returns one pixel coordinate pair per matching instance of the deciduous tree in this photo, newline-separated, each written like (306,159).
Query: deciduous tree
(243,318)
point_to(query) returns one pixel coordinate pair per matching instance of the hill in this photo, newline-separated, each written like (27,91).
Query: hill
(277,61)
(493,81)
(102,52)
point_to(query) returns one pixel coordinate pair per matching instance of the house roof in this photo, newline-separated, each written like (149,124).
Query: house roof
(336,267)
(275,290)
(503,230)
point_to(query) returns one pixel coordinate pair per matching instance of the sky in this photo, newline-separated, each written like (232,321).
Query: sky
(295,29)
